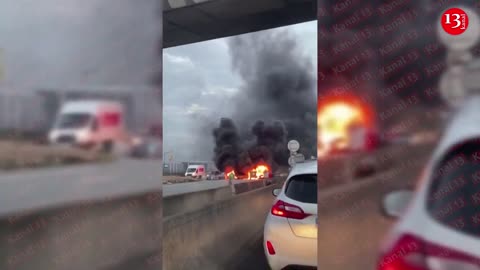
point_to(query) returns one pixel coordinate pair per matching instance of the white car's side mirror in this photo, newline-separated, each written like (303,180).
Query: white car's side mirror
(276,191)
(395,203)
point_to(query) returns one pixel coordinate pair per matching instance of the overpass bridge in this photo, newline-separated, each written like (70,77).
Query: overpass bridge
(190,21)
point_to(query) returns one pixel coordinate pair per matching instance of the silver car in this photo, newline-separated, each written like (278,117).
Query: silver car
(215,175)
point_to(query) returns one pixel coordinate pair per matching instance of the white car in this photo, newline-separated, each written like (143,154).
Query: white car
(439,227)
(290,232)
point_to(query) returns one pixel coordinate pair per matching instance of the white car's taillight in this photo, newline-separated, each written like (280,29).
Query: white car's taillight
(287,210)
(413,253)
(407,254)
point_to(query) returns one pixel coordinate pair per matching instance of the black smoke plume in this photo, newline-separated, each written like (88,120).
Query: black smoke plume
(276,103)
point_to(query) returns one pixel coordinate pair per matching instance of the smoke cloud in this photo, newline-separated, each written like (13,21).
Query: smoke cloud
(277,102)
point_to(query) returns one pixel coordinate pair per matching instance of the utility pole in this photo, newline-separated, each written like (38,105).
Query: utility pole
(170,159)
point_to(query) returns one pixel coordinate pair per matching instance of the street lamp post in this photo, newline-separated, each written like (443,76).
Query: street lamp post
(452,83)
(170,159)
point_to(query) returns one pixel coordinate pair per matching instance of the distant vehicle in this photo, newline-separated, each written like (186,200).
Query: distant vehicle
(440,223)
(196,171)
(394,137)
(423,137)
(290,232)
(400,139)
(89,123)
(148,144)
(216,175)
(147,147)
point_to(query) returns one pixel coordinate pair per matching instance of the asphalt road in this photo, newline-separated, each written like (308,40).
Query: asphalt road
(252,258)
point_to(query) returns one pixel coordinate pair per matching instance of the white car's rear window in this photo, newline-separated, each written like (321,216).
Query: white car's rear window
(302,188)
(454,195)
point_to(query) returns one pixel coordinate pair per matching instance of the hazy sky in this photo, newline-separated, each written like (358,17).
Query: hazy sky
(78,42)
(199,86)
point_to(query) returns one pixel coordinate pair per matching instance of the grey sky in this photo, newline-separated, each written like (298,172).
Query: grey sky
(198,88)
(78,42)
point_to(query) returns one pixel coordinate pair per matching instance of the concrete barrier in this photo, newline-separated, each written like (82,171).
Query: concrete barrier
(250,185)
(187,202)
(173,179)
(342,195)
(209,237)
(118,233)
(342,170)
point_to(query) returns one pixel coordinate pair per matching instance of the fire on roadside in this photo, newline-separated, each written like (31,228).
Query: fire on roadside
(335,118)
(228,172)
(259,172)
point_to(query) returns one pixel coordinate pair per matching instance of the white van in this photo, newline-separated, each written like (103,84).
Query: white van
(89,123)
(196,171)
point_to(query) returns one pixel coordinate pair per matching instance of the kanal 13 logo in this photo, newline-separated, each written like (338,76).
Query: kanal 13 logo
(454,21)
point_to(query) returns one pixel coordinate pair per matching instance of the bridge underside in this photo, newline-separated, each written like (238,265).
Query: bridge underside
(218,18)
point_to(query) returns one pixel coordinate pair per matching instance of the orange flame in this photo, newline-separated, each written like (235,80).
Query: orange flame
(229,171)
(259,172)
(335,118)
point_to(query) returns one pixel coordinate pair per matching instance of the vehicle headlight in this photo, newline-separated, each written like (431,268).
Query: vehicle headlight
(137,141)
(82,135)
(51,136)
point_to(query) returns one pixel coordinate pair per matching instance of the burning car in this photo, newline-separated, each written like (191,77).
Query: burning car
(255,173)
(259,172)
(344,124)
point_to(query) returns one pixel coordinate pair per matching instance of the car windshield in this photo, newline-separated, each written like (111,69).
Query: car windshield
(454,195)
(191,170)
(302,188)
(73,120)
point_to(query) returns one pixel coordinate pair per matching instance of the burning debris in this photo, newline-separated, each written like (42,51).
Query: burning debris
(255,173)
(259,172)
(230,173)
(276,103)
(344,123)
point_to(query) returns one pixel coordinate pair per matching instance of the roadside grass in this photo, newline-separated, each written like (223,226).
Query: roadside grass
(15,155)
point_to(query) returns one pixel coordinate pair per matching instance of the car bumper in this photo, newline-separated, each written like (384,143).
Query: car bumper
(290,250)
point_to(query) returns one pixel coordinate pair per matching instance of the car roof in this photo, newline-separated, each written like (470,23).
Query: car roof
(306,167)
(462,127)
